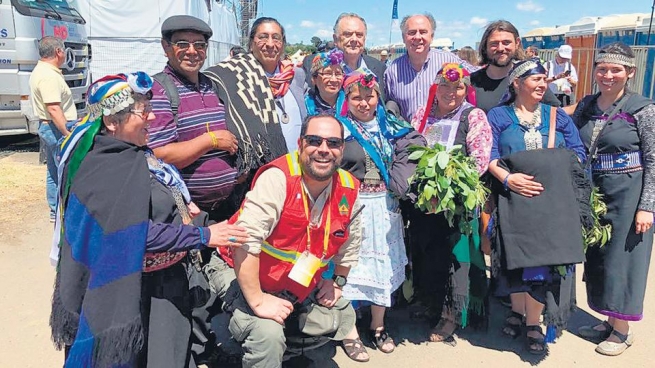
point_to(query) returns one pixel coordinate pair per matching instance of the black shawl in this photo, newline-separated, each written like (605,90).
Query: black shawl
(96,302)
(250,111)
(545,230)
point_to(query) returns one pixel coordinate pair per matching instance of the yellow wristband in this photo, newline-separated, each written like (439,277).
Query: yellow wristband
(214,139)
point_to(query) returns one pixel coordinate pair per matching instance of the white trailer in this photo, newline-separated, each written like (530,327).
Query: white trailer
(22,24)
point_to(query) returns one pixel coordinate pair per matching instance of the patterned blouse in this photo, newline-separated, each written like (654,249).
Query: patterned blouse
(478,140)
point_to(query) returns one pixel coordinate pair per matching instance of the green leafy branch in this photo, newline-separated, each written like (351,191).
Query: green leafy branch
(447,181)
(599,235)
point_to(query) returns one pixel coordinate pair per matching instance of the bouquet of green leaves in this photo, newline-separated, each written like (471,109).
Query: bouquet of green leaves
(598,235)
(447,181)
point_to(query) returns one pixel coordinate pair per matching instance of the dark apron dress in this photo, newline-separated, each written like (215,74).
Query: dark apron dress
(615,274)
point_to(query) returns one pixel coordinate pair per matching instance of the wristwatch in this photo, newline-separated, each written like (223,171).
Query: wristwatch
(340,280)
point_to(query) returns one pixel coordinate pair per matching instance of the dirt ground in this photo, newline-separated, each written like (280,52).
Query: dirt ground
(26,280)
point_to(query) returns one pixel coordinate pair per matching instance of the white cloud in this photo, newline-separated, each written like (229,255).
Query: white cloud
(323,33)
(456,34)
(478,21)
(534,23)
(288,26)
(529,6)
(308,24)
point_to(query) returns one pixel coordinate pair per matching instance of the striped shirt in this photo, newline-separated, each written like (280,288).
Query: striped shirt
(211,178)
(409,88)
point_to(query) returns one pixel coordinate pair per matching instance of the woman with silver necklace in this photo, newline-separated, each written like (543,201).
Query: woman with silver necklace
(520,125)
(618,128)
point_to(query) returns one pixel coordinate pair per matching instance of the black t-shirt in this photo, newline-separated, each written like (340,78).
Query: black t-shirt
(489,92)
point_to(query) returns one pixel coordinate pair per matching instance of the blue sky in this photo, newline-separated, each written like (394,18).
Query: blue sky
(462,21)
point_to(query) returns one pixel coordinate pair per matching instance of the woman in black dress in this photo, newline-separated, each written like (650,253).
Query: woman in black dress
(618,128)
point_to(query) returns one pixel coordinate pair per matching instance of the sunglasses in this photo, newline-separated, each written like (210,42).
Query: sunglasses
(317,141)
(198,45)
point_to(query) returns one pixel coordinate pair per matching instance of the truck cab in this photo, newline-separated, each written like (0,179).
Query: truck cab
(22,24)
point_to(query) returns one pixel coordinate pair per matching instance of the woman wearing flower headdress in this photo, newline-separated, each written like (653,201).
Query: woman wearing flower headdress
(126,237)
(618,128)
(449,268)
(327,77)
(374,154)
(538,229)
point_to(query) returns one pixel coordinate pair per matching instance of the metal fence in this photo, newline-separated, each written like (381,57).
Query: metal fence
(583,61)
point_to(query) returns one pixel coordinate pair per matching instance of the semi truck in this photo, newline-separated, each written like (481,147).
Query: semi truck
(22,24)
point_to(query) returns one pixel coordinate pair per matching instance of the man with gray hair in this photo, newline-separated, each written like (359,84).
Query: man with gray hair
(52,102)
(350,37)
(408,78)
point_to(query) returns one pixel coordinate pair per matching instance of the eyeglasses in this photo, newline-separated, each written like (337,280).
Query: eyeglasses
(264,37)
(331,75)
(143,113)
(198,45)
(317,141)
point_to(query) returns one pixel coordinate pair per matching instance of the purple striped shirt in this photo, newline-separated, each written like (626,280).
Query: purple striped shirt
(211,178)
(409,88)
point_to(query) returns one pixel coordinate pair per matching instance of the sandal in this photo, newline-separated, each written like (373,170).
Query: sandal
(353,348)
(536,345)
(439,333)
(512,328)
(611,348)
(590,332)
(379,338)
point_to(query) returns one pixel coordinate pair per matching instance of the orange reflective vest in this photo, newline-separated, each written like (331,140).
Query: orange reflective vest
(289,238)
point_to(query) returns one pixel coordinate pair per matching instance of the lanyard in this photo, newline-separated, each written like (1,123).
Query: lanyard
(326,236)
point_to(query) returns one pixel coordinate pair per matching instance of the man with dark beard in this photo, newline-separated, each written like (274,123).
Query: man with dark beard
(499,47)
(301,215)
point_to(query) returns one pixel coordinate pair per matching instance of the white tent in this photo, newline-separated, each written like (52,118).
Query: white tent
(125,34)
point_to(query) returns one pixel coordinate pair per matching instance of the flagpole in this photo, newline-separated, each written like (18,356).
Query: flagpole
(394,17)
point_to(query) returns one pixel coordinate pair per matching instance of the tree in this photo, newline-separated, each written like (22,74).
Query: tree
(316,41)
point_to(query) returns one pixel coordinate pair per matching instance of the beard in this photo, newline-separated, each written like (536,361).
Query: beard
(510,57)
(315,173)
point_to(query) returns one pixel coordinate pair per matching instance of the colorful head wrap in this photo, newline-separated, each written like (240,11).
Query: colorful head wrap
(106,96)
(325,59)
(113,93)
(453,73)
(360,77)
(614,58)
(524,68)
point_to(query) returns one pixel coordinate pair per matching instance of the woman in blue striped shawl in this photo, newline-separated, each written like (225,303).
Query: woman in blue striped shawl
(124,239)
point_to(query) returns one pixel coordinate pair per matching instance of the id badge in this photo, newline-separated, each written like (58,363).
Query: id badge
(305,268)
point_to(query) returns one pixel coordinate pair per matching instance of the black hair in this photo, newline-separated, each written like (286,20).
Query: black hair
(498,26)
(259,22)
(309,118)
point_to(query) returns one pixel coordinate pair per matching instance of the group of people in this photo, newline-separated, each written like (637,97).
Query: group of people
(281,195)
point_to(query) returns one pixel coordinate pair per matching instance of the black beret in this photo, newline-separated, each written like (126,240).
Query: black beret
(185,23)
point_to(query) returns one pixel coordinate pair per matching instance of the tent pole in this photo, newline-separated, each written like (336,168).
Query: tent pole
(650,24)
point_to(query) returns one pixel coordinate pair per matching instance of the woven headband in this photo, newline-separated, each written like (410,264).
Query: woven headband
(113,93)
(524,68)
(606,57)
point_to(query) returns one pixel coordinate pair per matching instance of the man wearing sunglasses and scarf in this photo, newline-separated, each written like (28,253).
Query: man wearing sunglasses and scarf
(302,216)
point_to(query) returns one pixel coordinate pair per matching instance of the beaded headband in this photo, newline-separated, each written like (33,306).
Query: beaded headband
(113,93)
(610,58)
(522,68)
